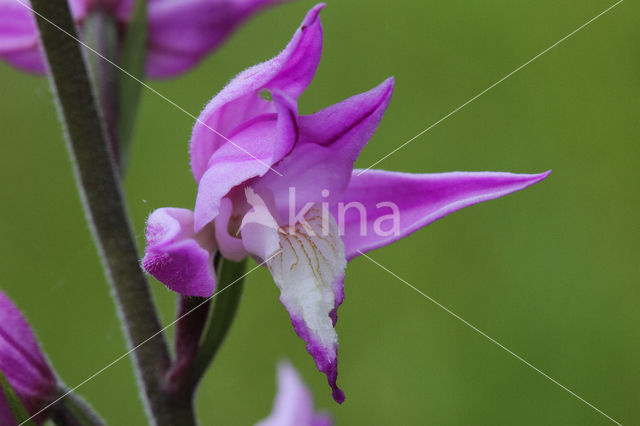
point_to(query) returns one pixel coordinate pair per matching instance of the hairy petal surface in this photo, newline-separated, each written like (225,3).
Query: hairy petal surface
(293,405)
(177,256)
(419,198)
(307,263)
(244,97)
(257,145)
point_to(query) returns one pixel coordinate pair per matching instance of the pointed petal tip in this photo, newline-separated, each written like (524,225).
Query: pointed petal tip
(538,177)
(312,15)
(544,175)
(386,87)
(332,378)
(421,199)
(338,395)
(318,7)
(284,365)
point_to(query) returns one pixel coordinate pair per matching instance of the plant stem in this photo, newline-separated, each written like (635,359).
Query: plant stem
(101,194)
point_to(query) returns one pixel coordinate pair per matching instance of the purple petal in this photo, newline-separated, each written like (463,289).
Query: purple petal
(19,36)
(419,199)
(322,420)
(338,291)
(290,72)
(19,41)
(30,60)
(182,33)
(325,356)
(311,173)
(177,256)
(293,405)
(80,8)
(347,126)
(21,359)
(319,167)
(257,145)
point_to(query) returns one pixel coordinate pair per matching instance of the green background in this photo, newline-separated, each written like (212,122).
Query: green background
(551,272)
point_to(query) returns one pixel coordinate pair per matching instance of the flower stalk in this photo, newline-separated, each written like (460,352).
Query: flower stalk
(101,194)
(227,299)
(200,333)
(192,316)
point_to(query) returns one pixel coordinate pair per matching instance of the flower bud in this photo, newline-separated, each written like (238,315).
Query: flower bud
(23,363)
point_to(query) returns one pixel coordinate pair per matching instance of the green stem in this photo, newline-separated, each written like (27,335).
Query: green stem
(102,198)
(227,299)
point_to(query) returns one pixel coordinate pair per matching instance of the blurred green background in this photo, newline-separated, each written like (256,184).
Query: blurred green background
(551,272)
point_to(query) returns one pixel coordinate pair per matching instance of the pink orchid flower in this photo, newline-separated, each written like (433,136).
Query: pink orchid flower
(293,405)
(23,363)
(181,33)
(252,152)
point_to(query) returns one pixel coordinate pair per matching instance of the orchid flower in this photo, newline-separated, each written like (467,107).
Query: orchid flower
(23,363)
(293,405)
(181,33)
(320,212)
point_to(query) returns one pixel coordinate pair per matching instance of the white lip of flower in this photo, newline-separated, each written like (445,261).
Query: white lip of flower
(306,259)
(307,262)
(311,260)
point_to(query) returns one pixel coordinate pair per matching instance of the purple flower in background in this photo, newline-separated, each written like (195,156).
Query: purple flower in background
(281,187)
(293,405)
(22,362)
(181,33)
